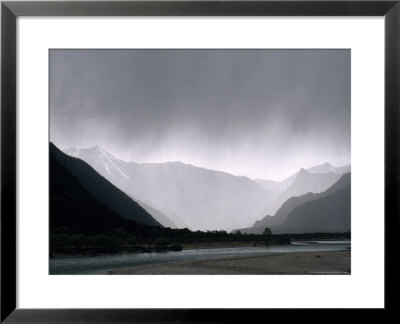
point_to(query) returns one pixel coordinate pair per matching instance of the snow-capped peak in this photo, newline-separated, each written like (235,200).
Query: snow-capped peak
(93,152)
(103,153)
(99,158)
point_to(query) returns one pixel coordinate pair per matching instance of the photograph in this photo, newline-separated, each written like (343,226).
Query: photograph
(199,161)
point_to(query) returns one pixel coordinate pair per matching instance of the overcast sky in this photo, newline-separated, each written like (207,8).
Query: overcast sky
(258,113)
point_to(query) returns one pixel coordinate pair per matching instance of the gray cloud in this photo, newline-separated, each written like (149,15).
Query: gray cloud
(260,113)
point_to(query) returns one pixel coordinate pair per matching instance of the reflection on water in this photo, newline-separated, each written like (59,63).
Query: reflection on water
(103,264)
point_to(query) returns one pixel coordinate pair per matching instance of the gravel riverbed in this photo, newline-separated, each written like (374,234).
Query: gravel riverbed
(331,262)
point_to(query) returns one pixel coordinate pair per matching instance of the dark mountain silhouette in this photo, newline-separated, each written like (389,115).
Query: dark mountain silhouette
(102,190)
(326,214)
(281,221)
(74,211)
(303,183)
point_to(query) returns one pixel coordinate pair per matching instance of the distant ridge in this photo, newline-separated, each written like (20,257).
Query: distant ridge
(327,168)
(182,195)
(303,182)
(281,222)
(281,186)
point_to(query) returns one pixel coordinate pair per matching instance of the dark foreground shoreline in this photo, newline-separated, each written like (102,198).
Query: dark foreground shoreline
(325,263)
(79,245)
(92,252)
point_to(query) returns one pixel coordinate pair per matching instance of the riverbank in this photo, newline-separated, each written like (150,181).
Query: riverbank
(331,262)
(219,245)
(101,251)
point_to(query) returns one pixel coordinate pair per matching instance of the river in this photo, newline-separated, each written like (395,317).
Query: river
(101,265)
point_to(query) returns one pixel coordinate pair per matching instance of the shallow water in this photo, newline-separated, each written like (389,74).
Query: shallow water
(105,263)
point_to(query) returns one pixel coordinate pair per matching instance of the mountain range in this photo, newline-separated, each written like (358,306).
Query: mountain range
(182,195)
(189,196)
(328,211)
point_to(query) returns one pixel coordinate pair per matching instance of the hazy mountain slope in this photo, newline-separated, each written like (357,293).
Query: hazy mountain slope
(325,214)
(344,169)
(157,215)
(276,186)
(343,182)
(311,182)
(203,199)
(102,190)
(281,214)
(280,186)
(74,211)
(304,182)
(292,203)
(189,196)
(328,168)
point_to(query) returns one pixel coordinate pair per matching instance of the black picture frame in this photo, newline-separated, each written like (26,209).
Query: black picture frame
(10,10)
